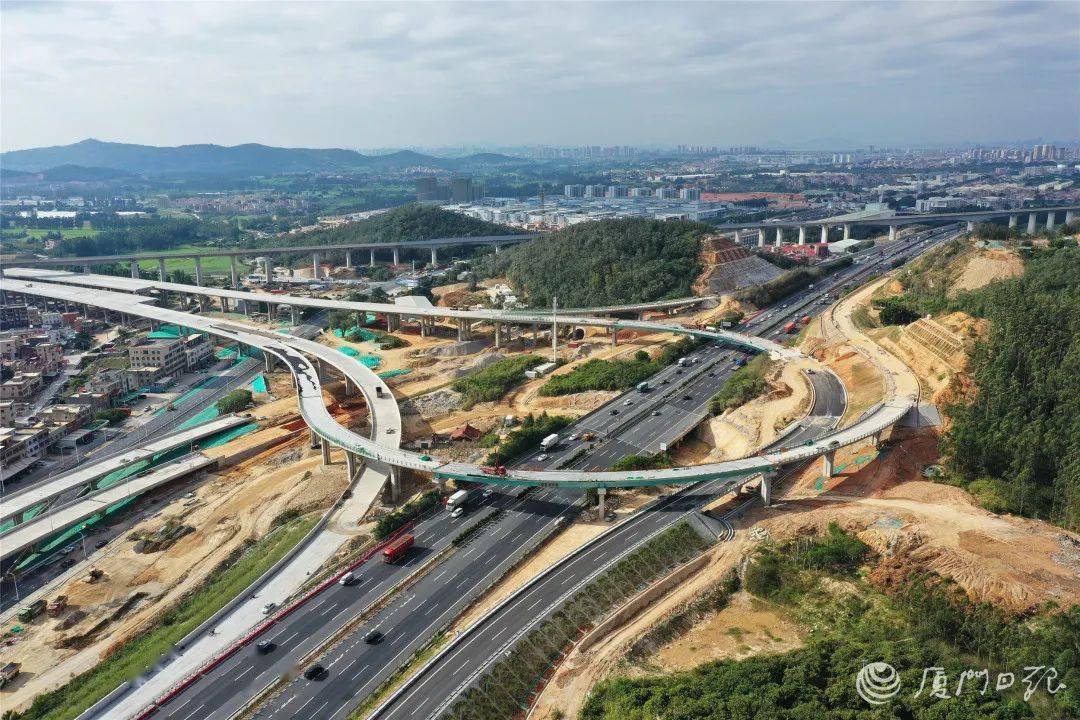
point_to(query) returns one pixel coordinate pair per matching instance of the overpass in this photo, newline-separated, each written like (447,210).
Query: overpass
(292,351)
(316,251)
(894,222)
(15,505)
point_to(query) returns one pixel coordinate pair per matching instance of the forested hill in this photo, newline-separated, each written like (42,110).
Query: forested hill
(609,262)
(408,222)
(1018,444)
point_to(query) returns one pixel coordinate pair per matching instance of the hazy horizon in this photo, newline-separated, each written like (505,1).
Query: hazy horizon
(430,75)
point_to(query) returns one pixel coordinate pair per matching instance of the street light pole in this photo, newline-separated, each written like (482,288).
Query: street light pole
(554,329)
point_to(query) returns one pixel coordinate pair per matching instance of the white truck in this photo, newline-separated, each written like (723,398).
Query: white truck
(458,500)
(549,442)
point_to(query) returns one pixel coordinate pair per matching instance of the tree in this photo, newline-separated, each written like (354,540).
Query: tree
(111,416)
(235,401)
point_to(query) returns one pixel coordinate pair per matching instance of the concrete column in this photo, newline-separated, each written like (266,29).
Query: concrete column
(315,265)
(397,256)
(971,226)
(766,488)
(1050,217)
(802,234)
(135,269)
(498,335)
(779,237)
(601,495)
(460,329)
(614,332)
(395,483)
(1031,223)
(348,259)
(496,249)
(325,451)
(761,238)
(224,304)
(232,272)
(162,276)
(371,259)
(1069,216)
(824,233)
(847,231)
(875,440)
(268,361)
(434,257)
(86,269)
(892,233)
(268,268)
(198,271)
(1014,220)
(350,465)
(827,461)
(294,315)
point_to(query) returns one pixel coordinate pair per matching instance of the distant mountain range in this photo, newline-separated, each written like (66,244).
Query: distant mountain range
(238,160)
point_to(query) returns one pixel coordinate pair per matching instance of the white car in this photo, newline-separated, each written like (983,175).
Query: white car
(542,457)
(268,607)
(457,512)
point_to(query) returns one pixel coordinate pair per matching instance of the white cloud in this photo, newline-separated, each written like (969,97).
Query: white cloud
(364,74)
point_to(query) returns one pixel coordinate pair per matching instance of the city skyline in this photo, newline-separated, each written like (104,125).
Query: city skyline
(807,76)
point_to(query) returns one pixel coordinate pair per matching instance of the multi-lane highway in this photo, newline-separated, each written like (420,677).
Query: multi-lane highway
(492,549)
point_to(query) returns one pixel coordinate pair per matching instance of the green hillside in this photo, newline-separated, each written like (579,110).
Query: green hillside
(609,262)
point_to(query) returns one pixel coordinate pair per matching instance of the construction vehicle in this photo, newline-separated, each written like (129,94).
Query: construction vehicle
(397,548)
(790,327)
(31,611)
(9,672)
(95,575)
(588,436)
(56,606)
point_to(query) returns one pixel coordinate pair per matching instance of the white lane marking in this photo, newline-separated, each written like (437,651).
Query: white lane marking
(249,669)
(200,707)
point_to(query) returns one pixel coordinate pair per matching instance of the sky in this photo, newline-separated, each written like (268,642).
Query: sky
(409,74)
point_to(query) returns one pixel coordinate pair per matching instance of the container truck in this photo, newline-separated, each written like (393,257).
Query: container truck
(459,499)
(549,442)
(397,548)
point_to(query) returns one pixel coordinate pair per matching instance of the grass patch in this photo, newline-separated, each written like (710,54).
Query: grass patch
(744,385)
(617,374)
(656,461)
(532,431)
(491,383)
(142,651)
(211,265)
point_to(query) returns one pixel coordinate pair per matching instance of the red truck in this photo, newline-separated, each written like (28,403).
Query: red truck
(805,320)
(397,548)
(56,606)
(790,327)
(498,470)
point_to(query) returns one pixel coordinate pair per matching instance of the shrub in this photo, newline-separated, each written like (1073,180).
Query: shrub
(235,401)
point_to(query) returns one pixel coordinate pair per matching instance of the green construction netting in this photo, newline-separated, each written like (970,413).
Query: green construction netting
(394,373)
(259,384)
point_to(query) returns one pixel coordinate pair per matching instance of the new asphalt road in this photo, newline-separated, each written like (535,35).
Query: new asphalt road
(354,668)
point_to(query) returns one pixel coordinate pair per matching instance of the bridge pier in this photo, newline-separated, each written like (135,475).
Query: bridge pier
(395,484)
(198,271)
(348,259)
(462,329)
(371,259)
(232,273)
(827,461)
(224,304)
(1031,223)
(761,238)
(325,451)
(892,233)
(847,231)
(601,496)
(779,237)
(397,257)
(498,335)
(135,269)
(393,322)
(315,265)
(496,249)
(1014,220)
(268,361)
(294,315)
(350,465)
(824,233)
(161,270)
(802,234)
(1069,216)
(269,269)
(86,269)
(767,479)
(875,440)
(971,226)
(434,257)
(1050,217)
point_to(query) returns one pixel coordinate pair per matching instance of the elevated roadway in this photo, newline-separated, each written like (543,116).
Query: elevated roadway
(14,505)
(314,410)
(33,532)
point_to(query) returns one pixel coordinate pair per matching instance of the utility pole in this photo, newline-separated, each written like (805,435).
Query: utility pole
(554,329)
